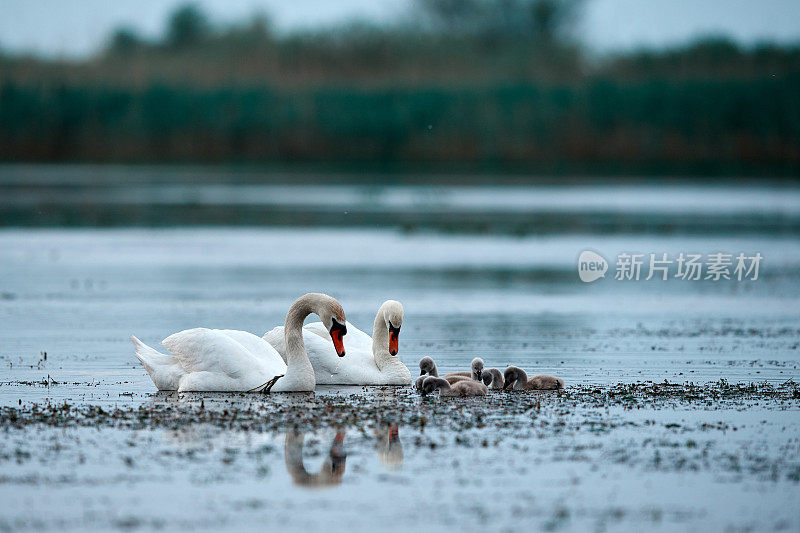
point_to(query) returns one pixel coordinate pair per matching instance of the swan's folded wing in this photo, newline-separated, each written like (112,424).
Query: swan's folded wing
(318,328)
(276,339)
(254,344)
(206,350)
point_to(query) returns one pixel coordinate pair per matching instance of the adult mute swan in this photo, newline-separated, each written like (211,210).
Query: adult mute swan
(237,361)
(370,360)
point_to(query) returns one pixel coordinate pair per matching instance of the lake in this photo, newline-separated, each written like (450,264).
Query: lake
(89,257)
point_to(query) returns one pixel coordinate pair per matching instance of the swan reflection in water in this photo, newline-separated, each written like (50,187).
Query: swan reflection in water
(387,444)
(207,437)
(332,469)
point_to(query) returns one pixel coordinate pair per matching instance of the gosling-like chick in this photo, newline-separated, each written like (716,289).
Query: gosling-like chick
(476,371)
(427,366)
(493,378)
(516,378)
(450,379)
(467,387)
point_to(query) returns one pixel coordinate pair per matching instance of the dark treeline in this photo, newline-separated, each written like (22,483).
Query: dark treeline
(491,84)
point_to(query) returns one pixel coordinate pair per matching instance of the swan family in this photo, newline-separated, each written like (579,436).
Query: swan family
(295,358)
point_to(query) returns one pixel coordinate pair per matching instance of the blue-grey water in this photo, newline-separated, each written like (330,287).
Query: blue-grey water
(510,297)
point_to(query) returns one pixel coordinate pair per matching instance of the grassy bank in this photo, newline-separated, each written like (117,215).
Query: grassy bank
(601,125)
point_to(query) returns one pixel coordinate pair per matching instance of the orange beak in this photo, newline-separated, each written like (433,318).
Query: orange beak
(336,335)
(394,336)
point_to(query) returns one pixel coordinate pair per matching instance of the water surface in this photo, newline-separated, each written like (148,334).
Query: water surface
(507,291)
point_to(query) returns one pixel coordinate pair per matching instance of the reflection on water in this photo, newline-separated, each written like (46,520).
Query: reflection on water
(195,437)
(332,469)
(511,300)
(122,196)
(387,442)
(205,437)
(330,473)
(78,295)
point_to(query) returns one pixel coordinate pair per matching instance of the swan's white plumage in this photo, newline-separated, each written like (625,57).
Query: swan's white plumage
(314,344)
(356,368)
(211,360)
(253,343)
(236,361)
(164,370)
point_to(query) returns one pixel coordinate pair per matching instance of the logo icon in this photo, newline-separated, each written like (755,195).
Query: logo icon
(591,266)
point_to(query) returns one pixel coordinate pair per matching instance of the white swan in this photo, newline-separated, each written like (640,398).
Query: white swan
(369,361)
(237,361)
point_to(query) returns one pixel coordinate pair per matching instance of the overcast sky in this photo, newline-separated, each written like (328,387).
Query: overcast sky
(78,27)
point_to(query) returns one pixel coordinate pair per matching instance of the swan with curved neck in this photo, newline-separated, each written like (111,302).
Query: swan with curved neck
(370,360)
(299,371)
(237,361)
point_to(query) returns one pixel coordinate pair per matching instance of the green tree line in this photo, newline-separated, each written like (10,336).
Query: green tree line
(487,84)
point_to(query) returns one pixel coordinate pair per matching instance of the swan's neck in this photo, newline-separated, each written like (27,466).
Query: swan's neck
(297,363)
(380,341)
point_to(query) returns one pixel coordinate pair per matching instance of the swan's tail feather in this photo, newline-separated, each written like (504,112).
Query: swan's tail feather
(164,370)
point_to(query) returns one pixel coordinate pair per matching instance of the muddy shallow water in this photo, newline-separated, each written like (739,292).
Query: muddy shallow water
(654,456)
(86,442)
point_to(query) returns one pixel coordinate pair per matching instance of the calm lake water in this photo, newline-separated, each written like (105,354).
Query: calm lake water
(489,272)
